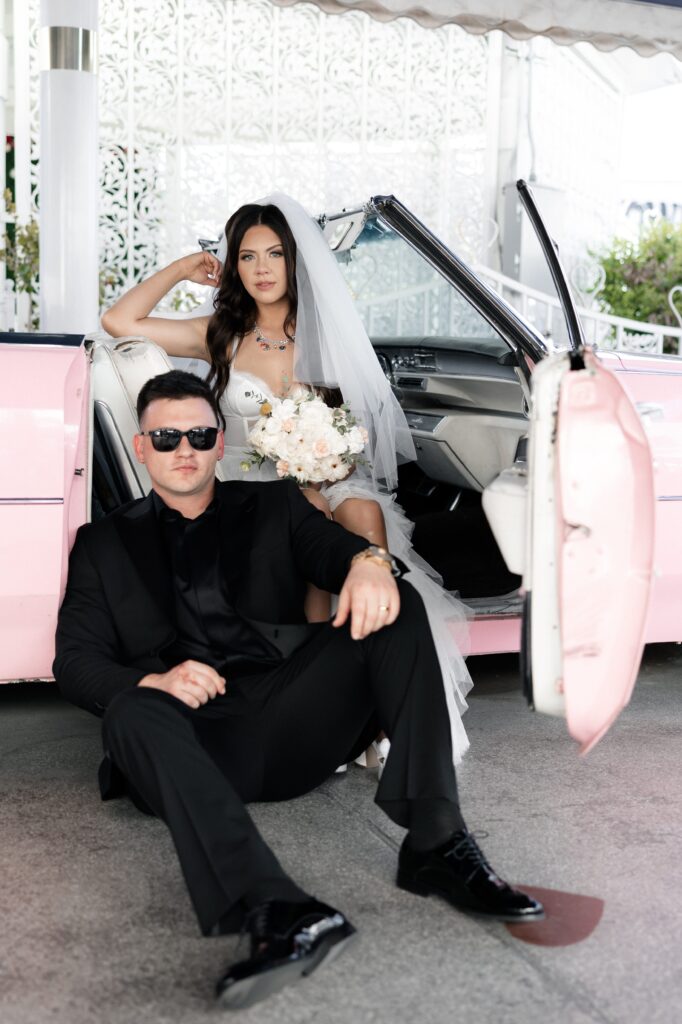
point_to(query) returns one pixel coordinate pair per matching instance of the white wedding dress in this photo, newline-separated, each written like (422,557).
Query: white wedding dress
(240,405)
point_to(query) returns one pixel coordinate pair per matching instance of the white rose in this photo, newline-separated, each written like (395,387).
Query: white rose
(283,412)
(316,412)
(356,442)
(287,450)
(287,408)
(339,443)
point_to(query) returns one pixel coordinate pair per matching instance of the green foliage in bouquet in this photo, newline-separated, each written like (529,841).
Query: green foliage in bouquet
(640,274)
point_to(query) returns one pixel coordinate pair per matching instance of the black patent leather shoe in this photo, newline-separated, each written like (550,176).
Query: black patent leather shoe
(288,942)
(459,873)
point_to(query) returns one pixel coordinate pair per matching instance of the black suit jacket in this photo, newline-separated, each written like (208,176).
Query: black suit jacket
(116,616)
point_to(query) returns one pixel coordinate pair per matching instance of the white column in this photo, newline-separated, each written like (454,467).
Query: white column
(69,280)
(491,256)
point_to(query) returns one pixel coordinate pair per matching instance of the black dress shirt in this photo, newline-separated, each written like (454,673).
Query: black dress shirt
(208,628)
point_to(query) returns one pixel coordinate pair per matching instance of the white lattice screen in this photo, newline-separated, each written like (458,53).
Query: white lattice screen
(206,104)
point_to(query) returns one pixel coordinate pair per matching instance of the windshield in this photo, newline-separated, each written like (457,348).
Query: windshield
(400,296)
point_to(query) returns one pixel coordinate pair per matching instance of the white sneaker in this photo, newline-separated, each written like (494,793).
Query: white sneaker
(382,748)
(375,755)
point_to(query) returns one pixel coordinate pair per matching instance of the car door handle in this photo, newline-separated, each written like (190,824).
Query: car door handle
(652,409)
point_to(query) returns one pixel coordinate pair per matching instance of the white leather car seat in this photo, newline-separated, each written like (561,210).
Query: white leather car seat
(505,502)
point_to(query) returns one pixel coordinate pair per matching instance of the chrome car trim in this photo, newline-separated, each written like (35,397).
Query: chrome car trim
(506,606)
(652,373)
(521,337)
(490,616)
(31,501)
(28,679)
(68,48)
(669,497)
(551,253)
(327,218)
(448,375)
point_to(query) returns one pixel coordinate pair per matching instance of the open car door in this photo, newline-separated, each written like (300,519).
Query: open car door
(589,549)
(590,530)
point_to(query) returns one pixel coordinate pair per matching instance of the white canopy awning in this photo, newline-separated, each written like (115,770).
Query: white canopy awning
(647,26)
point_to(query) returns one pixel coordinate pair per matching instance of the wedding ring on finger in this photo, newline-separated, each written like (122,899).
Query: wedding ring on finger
(383,607)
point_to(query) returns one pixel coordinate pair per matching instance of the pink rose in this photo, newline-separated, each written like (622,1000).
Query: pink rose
(321,448)
(282,467)
(287,426)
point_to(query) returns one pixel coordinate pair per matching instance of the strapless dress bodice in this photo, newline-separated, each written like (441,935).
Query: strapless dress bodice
(240,405)
(244,395)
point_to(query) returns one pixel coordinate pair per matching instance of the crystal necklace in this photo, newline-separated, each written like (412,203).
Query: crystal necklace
(268,345)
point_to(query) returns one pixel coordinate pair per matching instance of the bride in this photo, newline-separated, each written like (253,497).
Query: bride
(280,315)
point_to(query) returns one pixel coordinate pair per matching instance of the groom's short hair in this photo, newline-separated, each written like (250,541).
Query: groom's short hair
(177,384)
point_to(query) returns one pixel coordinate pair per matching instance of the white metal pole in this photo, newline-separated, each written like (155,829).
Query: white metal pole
(22,111)
(69,280)
(18,305)
(493,149)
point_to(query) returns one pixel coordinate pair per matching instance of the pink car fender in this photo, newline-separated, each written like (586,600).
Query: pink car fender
(44,489)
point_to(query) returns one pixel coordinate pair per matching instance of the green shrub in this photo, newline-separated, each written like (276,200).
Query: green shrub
(640,274)
(21,254)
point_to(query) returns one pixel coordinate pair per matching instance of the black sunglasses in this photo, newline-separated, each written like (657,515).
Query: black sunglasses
(167,439)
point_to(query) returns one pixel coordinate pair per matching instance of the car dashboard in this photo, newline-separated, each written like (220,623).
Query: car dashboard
(463,401)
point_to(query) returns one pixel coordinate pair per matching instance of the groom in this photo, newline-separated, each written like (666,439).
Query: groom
(183,628)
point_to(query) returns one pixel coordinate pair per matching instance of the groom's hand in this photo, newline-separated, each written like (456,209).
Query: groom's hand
(191,682)
(370,595)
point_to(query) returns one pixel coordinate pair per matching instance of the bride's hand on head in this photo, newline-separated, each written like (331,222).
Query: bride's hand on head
(202,268)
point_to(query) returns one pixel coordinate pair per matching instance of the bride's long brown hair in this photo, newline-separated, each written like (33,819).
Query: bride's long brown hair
(235,310)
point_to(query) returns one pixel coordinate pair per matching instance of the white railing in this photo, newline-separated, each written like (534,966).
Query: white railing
(601,329)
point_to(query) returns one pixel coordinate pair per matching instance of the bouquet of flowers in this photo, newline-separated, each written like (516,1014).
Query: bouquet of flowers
(306,439)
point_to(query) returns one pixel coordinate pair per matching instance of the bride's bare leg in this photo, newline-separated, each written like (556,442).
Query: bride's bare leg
(364,517)
(317,604)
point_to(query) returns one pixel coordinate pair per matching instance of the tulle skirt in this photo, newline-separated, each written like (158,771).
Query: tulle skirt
(448,616)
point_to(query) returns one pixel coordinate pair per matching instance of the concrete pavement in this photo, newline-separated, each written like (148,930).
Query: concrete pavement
(97,926)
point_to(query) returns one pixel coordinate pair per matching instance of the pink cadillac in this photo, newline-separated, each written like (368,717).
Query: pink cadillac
(547,487)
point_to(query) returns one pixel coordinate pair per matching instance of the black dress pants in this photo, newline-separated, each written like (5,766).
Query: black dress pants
(278,735)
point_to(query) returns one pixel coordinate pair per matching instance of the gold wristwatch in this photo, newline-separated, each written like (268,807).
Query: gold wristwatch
(378,555)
